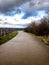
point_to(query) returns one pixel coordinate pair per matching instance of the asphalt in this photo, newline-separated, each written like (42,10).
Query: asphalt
(24,49)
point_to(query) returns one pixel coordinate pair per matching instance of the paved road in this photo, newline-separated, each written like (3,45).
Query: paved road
(24,49)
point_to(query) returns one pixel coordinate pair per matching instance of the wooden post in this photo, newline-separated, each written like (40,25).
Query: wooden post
(1,32)
(4,32)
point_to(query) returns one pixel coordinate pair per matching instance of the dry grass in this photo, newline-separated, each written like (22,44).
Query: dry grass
(42,38)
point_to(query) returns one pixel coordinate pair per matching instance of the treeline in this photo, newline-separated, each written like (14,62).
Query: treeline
(41,29)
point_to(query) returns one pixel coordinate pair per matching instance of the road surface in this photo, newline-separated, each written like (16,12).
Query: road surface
(24,49)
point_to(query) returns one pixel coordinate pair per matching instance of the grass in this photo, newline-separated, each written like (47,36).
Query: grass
(42,38)
(7,37)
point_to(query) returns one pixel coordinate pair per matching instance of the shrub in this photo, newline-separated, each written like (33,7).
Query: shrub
(42,29)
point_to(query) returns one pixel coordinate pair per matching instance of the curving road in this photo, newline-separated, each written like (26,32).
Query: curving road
(24,49)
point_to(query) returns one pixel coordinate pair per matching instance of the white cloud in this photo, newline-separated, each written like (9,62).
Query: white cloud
(39,16)
(13,21)
(16,21)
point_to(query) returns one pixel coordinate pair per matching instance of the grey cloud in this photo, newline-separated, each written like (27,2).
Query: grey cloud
(24,5)
(8,5)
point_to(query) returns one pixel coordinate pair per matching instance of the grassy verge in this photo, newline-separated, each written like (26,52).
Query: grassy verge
(42,38)
(7,37)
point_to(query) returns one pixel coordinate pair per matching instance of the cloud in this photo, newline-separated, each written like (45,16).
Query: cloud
(35,5)
(12,7)
(38,14)
(17,21)
(13,12)
(22,11)
(8,5)
(24,5)
(13,20)
(31,8)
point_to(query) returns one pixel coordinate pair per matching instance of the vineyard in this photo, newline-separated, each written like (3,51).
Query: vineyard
(6,31)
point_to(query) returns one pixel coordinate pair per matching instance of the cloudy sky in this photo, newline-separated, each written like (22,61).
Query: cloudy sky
(20,13)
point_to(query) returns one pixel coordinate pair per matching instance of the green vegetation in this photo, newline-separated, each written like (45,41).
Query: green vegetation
(7,37)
